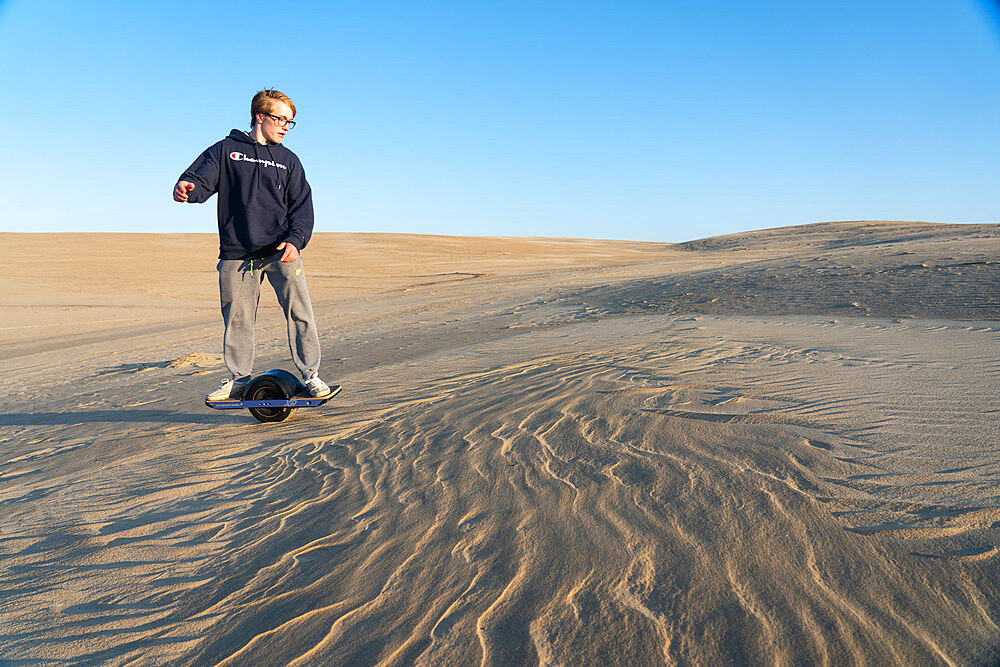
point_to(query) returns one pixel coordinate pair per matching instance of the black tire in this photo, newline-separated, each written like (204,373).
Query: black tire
(268,389)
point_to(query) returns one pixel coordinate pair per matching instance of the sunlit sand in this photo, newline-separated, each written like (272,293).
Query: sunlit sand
(773,447)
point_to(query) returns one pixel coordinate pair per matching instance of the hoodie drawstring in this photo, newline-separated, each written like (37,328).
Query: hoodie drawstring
(256,155)
(277,174)
(256,166)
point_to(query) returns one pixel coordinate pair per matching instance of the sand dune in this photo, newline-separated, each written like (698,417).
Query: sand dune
(773,447)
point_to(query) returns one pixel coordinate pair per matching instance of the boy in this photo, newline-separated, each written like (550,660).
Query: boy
(265,221)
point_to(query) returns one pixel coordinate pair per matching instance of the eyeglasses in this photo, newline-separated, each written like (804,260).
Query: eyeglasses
(281,121)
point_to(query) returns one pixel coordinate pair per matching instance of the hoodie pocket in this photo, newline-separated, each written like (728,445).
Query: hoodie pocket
(265,226)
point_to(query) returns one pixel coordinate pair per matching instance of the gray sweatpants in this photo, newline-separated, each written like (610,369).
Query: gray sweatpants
(239,288)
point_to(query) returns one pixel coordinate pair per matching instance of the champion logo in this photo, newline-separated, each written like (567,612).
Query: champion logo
(240,157)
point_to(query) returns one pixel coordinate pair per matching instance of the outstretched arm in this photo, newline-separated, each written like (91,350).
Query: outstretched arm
(201,180)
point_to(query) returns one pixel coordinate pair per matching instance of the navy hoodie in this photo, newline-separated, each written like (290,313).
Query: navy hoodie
(264,198)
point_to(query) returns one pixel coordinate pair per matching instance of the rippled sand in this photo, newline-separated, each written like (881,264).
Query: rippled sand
(773,447)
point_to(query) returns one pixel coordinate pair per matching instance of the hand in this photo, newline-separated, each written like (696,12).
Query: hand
(181,190)
(291,252)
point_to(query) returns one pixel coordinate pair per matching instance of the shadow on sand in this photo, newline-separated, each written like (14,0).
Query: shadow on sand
(120,416)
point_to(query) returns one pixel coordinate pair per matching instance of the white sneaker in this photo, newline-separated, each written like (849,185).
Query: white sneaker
(231,389)
(317,388)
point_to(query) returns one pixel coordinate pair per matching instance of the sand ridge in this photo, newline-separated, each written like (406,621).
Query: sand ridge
(526,466)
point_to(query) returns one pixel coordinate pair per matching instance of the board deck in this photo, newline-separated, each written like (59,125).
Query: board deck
(296,402)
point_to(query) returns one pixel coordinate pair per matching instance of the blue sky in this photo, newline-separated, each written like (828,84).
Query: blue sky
(661,121)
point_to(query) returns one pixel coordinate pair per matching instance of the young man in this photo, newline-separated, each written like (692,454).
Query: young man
(265,221)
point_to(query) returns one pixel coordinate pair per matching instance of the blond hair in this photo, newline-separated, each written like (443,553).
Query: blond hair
(263,102)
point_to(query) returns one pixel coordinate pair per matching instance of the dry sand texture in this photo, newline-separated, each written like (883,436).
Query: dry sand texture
(779,447)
